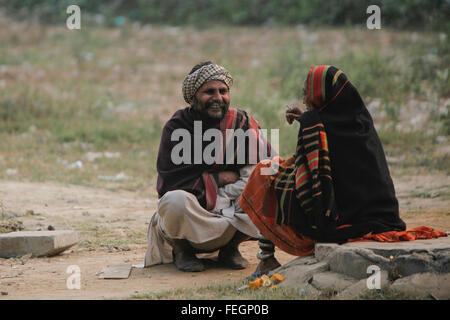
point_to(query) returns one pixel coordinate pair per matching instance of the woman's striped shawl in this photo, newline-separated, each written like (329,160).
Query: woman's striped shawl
(303,183)
(301,196)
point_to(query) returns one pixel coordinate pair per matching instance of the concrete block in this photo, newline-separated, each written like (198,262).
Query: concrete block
(355,290)
(323,251)
(332,281)
(38,243)
(422,265)
(425,285)
(388,249)
(299,276)
(353,263)
(398,258)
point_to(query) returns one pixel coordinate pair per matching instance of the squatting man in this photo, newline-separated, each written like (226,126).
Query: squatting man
(197,209)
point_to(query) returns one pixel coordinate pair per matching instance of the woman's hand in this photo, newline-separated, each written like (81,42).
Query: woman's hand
(227,177)
(292,113)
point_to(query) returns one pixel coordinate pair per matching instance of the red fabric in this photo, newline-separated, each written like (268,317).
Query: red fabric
(317,83)
(408,235)
(210,191)
(259,202)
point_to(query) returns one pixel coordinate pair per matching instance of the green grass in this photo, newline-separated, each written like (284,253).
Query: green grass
(105,233)
(231,292)
(64,94)
(227,291)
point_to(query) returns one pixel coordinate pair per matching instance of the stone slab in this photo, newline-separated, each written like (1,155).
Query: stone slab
(355,290)
(387,249)
(299,276)
(420,266)
(331,281)
(306,260)
(116,271)
(399,259)
(354,263)
(36,243)
(425,285)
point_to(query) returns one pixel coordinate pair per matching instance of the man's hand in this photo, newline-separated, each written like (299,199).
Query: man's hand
(227,177)
(292,113)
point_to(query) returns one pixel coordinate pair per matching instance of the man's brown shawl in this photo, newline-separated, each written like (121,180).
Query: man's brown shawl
(202,179)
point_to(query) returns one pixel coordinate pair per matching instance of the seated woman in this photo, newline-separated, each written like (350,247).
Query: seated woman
(336,186)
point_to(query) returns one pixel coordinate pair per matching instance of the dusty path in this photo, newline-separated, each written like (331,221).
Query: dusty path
(112,227)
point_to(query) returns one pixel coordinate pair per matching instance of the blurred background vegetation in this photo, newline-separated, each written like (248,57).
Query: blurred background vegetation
(431,14)
(87,106)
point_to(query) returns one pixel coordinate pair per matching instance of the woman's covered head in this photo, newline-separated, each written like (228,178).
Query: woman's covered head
(323,85)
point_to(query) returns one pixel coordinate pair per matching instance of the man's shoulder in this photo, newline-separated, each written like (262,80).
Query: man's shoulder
(180,112)
(238,109)
(238,112)
(178,116)
(242,113)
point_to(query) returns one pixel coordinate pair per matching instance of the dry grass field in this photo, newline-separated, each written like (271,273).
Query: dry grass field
(81,114)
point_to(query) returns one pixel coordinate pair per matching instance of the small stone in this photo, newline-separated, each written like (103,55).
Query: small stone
(118,177)
(72,200)
(434,194)
(50,228)
(76,165)
(302,292)
(25,258)
(11,172)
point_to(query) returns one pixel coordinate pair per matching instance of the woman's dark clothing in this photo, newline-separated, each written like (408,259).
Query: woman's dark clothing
(337,185)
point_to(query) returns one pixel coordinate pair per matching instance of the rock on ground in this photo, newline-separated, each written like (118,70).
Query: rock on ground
(425,285)
(417,268)
(38,243)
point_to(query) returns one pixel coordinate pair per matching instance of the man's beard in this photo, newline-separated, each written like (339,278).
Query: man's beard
(203,111)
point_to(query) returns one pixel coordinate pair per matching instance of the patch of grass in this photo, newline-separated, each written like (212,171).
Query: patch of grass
(105,234)
(387,293)
(436,212)
(416,149)
(97,237)
(6,223)
(230,292)
(223,292)
(64,94)
(10,226)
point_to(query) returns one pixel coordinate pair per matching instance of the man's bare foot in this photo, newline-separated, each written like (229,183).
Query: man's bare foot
(267,265)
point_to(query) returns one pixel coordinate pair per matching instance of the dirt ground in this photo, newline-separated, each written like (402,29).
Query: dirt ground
(424,200)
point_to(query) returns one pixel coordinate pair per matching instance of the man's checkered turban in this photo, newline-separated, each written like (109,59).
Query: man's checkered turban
(209,72)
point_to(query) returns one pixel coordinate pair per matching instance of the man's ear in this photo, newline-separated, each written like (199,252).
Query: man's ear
(194,101)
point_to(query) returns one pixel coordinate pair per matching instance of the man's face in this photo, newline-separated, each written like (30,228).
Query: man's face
(212,99)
